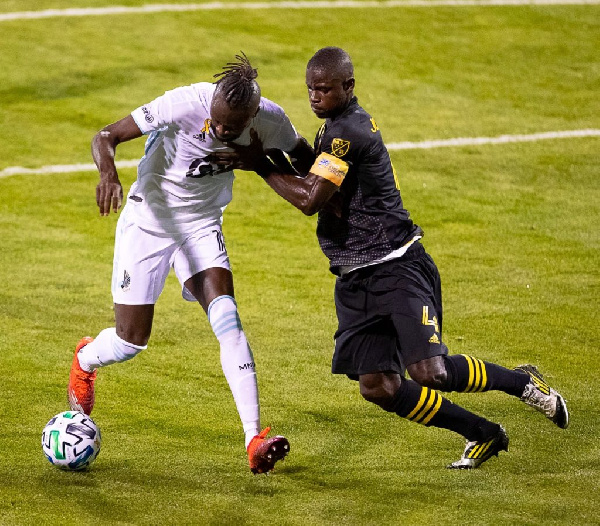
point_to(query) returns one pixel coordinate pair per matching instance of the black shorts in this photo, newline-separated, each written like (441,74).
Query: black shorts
(389,316)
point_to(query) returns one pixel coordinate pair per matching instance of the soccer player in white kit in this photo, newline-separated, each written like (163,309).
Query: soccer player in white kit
(172,219)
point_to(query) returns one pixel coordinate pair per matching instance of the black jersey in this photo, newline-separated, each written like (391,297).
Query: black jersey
(373,220)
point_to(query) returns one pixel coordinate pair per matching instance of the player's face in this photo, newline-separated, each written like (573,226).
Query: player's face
(228,124)
(328,92)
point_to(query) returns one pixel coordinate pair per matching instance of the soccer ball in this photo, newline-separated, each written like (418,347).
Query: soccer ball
(71,440)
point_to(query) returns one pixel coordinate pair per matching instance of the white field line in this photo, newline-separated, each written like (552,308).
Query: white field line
(316,4)
(502,139)
(461,141)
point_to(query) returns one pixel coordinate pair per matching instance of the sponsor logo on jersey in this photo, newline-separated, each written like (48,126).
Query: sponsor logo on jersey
(374,128)
(149,118)
(340,147)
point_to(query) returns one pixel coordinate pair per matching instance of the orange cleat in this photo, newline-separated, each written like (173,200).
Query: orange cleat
(264,452)
(81,383)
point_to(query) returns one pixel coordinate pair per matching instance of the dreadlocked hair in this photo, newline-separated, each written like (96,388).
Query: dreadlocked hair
(237,81)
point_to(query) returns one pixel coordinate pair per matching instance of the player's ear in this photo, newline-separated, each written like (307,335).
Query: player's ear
(348,84)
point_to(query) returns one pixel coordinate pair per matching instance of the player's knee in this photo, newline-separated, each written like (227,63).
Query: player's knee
(429,374)
(133,323)
(377,389)
(375,396)
(437,380)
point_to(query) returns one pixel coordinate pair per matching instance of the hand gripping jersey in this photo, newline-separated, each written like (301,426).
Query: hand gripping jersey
(177,190)
(374,224)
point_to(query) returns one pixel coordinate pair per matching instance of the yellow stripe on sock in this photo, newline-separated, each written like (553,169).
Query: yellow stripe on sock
(430,399)
(483,376)
(435,409)
(471,374)
(419,403)
(477,375)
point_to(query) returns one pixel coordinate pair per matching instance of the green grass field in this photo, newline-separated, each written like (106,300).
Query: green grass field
(513,228)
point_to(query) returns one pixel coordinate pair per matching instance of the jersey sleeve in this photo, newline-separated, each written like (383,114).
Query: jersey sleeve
(277,131)
(162,111)
(339,143)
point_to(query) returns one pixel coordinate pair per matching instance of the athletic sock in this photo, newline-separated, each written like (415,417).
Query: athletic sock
(426,406)
(237,362)
(107,349)
(469,375)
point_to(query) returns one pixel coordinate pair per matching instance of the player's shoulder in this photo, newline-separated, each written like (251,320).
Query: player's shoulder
(191,92)
(356,120)
(355,126)
(270,111)
(201,90)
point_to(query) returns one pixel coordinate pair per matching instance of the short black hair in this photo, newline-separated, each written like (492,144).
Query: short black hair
(237,82)
(332,58)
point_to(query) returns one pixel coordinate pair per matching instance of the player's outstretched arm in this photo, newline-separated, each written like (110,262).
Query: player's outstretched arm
(109,192)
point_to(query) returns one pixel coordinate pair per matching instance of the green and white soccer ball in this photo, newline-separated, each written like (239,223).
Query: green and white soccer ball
(71,440)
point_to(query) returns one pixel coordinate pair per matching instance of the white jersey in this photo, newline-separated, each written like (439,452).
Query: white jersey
(177,190)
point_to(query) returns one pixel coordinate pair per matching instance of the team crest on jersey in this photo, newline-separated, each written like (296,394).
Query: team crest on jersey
(340,147)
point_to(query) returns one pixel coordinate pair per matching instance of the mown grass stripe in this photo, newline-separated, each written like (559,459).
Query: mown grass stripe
(331,4)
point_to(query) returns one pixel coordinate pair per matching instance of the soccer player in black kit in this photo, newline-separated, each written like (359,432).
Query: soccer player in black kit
(388,291)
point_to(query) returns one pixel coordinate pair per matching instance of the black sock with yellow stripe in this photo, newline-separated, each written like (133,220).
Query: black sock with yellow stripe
(470,375)
(428,407)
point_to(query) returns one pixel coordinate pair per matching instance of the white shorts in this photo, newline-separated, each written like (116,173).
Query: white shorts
(143,259)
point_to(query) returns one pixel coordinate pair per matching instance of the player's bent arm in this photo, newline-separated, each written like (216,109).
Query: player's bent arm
(109,192)
(311,193)
(308,194)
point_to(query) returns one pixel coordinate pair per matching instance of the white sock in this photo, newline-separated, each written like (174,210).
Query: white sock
(107,349)
(237,362)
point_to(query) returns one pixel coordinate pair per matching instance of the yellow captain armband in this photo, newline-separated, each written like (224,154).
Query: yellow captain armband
(331,168)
